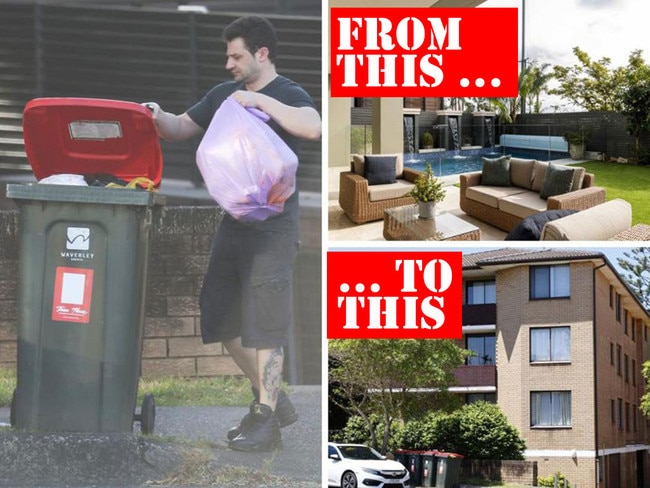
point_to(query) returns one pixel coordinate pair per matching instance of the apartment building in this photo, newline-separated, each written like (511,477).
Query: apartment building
(559,341)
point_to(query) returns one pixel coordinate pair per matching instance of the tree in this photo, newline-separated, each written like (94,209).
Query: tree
(645,399)
(636,273)
(594,85)
(636,107)
(537,82)
(377,376)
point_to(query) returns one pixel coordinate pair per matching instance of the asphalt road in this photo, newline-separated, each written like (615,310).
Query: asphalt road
(182,435)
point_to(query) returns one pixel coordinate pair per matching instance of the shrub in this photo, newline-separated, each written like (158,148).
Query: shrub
(549,481)
(356,432)
(482,431)
(422,434)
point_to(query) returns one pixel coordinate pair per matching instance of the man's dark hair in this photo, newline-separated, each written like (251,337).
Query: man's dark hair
(257,32)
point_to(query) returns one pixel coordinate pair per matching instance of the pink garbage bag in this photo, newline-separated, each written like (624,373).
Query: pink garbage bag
(247,168)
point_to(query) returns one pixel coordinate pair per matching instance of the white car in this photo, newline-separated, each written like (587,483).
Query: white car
(353,465)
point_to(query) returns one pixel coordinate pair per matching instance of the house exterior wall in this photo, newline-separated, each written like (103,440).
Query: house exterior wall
(592,375)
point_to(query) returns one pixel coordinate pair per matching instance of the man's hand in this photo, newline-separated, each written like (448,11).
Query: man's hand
(172,127)
(154,107)
(247,98)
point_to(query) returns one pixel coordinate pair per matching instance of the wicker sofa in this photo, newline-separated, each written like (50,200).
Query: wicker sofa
(506,205)
(363,202)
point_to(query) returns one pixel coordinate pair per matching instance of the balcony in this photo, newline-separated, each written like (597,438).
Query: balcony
(476,376)
(483,314)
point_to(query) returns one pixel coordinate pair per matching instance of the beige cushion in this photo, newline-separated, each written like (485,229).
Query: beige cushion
(522,204)
(598,223)
(358,163)
(393,190)
(578,177)
(539,172)
(521,172)
(490,195)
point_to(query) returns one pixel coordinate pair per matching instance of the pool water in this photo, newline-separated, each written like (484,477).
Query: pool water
(447,163)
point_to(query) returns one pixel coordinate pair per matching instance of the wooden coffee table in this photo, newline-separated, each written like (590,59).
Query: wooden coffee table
(403,224)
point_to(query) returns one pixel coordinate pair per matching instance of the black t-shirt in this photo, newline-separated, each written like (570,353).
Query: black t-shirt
(285,91)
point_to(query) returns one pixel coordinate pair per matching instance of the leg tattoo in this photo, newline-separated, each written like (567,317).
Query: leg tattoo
(272,374)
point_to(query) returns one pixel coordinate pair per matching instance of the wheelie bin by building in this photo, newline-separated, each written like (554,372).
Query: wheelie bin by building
(429,468)
(414,466)
(83,266)
(401,456)
(448,472)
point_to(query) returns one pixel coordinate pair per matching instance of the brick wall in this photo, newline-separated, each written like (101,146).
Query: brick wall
(179,254)
(520,472)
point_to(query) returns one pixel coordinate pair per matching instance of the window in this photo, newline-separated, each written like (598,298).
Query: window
(625,321)
(627,369)
(483,348)
(480,292)
(627,416)
(611,353)
(549,282)
(611,296)
(618,359)
(481,397)
(612,409)
(550,409)
(620,414)
(618,307)
(634,372)
(550,344)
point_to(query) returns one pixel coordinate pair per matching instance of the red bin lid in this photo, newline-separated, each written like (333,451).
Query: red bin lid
(91,136)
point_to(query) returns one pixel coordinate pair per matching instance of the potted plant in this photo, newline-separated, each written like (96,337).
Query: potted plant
(427,140)
(427,192)
(576,140)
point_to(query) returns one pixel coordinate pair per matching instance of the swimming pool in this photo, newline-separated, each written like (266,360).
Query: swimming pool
(445,163)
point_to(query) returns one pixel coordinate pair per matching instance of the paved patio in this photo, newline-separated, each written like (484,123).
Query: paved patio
(341,228)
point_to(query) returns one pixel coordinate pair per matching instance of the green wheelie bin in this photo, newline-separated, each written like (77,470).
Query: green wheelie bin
(448,472)
(83,265)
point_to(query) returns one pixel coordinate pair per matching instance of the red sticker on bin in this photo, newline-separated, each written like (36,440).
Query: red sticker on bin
(423,52)
(394,295)
(72,294)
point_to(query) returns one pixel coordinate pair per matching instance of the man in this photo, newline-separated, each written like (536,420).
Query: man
(246,298)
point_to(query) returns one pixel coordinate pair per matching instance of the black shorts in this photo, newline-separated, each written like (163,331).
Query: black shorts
(248,287)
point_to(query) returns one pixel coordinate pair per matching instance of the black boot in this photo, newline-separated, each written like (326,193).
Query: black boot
(285,412)
(262,431)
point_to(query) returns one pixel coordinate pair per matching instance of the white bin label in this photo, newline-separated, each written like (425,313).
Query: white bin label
(78,238)
(72,294)
(95,130)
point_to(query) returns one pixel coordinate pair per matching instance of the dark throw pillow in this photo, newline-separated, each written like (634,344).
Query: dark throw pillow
(558,180)
(530,229)
(496,172)
(380,170)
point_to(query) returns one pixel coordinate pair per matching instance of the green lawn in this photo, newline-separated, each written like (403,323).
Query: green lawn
(170,391)
(626,181)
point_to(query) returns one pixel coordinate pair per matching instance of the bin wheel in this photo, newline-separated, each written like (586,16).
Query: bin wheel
(148,414)
(349,480)
(12,410)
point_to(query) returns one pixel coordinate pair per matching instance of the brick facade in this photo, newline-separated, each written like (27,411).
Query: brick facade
(179,254)
(603,446)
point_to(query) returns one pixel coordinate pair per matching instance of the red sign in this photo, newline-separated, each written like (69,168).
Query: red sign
(424,52)
(394,295)
(72,294)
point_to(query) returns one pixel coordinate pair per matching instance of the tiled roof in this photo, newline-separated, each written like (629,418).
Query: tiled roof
(510,255)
